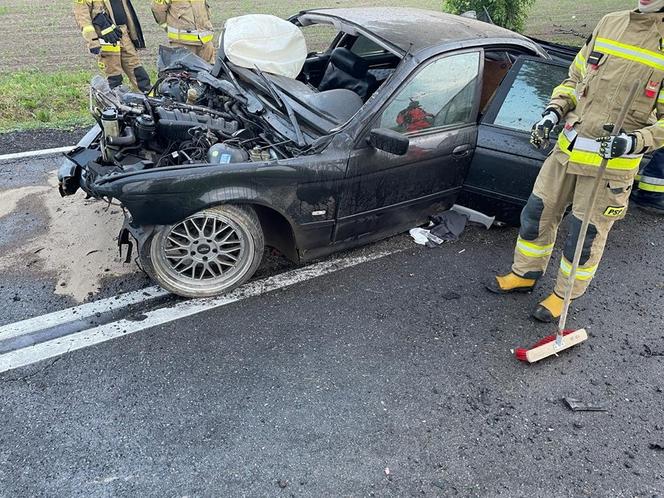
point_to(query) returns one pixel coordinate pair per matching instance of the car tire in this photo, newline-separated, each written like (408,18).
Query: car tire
(206,254)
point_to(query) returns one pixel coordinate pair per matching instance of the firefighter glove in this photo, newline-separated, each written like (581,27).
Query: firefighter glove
(613,146)
(108,31)
(542,129)
(95,50)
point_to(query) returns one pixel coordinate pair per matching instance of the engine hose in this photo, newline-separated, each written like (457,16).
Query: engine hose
(189,107)
(127,138)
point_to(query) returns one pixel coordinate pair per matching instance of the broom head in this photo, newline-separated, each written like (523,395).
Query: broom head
(548,347)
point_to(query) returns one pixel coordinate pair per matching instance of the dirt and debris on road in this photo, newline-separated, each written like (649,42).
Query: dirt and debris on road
(74,240)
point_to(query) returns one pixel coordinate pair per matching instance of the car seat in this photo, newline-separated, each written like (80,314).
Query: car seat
(349,71)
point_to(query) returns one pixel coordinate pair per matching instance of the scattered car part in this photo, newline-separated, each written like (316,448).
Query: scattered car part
(581,406)
(475,216)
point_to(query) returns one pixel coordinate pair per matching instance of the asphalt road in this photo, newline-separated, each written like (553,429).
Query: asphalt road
(391,378)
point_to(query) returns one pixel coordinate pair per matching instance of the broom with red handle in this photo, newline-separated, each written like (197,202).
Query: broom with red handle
(566,338)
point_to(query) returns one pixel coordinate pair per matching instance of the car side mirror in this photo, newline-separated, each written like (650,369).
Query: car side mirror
(389,141)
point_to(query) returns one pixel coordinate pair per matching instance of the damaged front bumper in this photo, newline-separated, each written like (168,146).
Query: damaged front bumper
(73,172)
(80,169)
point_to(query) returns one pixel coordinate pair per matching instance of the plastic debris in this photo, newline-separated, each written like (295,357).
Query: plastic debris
(475,216)
(424,237)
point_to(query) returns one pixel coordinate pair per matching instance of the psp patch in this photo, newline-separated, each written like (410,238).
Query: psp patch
(614,212)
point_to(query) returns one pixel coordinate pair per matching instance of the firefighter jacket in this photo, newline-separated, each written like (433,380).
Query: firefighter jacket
(185,21)
(86,10)
(625,47)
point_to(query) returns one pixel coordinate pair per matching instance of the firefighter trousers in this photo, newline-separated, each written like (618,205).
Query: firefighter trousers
(113,60)
(205,51)
(650,193)
(555,190)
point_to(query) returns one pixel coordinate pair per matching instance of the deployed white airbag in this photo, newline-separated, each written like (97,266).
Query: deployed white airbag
(267,42)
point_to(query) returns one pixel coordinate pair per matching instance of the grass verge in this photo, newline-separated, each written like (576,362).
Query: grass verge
(33,99)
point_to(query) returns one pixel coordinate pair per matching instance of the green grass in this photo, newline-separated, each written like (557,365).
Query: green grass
(47,87)
(32,99)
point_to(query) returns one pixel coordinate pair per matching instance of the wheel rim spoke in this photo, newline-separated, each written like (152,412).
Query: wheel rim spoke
(203,248)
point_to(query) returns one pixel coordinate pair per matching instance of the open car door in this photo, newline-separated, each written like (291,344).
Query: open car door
(505,165)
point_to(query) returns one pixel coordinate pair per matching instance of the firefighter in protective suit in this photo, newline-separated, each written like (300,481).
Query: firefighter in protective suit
(113,33)
(625,47)
(187,24)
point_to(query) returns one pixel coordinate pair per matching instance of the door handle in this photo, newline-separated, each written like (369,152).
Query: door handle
(462,150)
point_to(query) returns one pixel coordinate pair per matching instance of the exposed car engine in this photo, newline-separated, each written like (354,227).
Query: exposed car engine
(186,121)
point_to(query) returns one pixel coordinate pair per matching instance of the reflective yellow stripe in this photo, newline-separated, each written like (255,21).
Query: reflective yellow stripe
(630,52)
(110,48)
(660,123)
(651,184)
(637,178)
(88,29)
(580,63)
(594,159)
(582,273)
(565,90)
(192,36)
(533,250)
(651,188)
(108,30)
(660,98)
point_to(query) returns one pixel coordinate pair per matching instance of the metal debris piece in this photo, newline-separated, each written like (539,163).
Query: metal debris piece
(577,405)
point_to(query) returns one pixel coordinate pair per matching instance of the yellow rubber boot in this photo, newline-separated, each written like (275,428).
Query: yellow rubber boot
(550,309)
(504,284)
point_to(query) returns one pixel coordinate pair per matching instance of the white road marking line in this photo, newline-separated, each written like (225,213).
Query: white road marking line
(35,153)
(80,312)
(160,316)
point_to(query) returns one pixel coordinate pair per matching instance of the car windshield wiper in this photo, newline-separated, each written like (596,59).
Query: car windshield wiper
(278,96)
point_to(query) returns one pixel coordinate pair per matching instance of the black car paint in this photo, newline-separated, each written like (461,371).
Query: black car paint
(345,195)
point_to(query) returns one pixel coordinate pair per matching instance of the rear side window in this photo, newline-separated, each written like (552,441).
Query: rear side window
(441,94)
(529,94)
(366,48)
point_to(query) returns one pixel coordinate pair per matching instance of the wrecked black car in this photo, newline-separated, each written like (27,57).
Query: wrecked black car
(405,113)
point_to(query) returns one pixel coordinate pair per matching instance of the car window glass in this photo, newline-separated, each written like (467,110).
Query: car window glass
(319,37)
(529,95)
(365,47)
(440,95)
